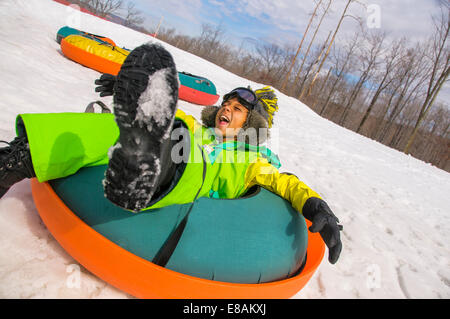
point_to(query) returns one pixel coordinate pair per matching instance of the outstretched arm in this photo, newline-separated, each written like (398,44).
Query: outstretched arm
(303,199)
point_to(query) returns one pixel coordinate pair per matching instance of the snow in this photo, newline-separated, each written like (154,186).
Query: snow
(156,101)
(394,208)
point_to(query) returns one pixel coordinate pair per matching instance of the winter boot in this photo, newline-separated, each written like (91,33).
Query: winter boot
(15,163)
(145,101)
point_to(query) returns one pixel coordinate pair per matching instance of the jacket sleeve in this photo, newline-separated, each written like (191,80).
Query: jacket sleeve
(262,173)
(189,120)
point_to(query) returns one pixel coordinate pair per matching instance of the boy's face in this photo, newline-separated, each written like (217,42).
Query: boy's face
(230,118)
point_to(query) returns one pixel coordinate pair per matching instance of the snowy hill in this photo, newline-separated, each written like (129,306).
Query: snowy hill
(395,209)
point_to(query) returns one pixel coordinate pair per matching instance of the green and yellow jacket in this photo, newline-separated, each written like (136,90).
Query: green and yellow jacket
(62,143)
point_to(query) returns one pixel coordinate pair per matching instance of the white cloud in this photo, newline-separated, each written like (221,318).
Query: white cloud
(411,19)
(188,9)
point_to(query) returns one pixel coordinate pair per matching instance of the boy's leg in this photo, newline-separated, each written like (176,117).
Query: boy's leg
(145,100)
(55,145)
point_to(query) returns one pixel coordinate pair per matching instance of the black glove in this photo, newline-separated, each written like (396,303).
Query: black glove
(323,221)
(106,84)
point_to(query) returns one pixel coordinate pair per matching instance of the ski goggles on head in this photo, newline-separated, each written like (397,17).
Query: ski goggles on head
(245,96)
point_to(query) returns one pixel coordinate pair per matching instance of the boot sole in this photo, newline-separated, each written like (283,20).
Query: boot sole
(145,100)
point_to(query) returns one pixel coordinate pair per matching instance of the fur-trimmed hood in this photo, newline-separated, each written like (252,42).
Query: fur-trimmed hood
(254,131)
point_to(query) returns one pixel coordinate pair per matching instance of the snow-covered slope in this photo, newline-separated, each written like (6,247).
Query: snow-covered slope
(394,208)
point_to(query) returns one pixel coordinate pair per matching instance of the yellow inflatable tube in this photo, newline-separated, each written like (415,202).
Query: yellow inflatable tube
(95,54)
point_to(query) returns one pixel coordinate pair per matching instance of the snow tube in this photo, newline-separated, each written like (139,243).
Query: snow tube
(257,246)
(107,58)
(197,89)
(97,55)
(66,31)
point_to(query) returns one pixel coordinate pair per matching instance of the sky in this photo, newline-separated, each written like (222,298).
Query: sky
(283,22)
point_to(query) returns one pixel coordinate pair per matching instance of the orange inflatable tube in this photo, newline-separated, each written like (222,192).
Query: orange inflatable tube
(144,279)
(103,58)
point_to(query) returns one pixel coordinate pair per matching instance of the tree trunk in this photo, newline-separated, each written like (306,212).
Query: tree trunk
(331,42)
(440,51)
(311,42)
(429,101)
(300,46)
(322,87)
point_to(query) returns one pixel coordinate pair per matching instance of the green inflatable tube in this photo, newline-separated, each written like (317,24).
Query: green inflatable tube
(255,239)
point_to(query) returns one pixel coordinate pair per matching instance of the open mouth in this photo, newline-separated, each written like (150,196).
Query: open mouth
(224,120)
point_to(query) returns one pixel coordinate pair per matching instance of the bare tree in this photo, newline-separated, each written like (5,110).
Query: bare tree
(369,58)
(245,65)
(102,8)
(283,64)
(166,35)
(384,79)
(407,85)
(133,15)
(322,87)
(300,45)
(312,68)
(312,41)
(333,38)
(440,68)
(209,43)
(341,66)
(269,55)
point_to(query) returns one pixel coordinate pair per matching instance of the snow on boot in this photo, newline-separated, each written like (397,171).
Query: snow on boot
(145,101)
(15,163)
